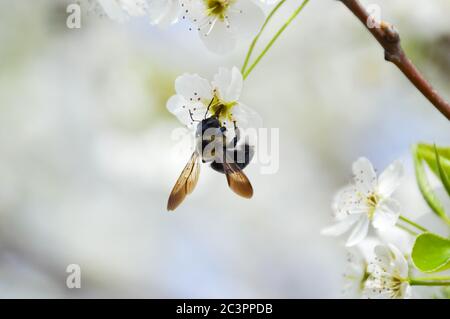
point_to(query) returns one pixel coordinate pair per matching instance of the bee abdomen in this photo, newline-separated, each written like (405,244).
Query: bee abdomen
(237,156)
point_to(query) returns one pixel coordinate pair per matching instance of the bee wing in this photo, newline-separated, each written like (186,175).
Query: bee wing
(186,182)
(237,180)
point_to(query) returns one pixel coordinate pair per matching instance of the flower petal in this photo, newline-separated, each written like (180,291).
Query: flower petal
(245,18)
(340,227)
(194,88)
(382,260)
(406,291)
(348,201)
(354,276)
(386,214)
(246,117)
(217,37)
(359,232)
(364,174)
(229,84)
(134,7)
(390,179)
(386,270)
(113,10)
(178,106)
(399,261)
(164,12)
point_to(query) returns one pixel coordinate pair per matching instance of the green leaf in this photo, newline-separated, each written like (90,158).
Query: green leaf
(443,151)
(431,253)
(428,153)
(442,173)
(424,186)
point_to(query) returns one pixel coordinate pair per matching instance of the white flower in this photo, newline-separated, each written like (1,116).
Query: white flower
(120,10)
(195,94)
(162,12)
(366,201)
(388,275)
(221,22)
(269,2)
(355,275)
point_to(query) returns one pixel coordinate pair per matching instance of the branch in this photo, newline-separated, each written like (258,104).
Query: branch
(389,39)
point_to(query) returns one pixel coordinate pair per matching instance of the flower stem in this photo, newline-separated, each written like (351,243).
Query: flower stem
(252,46)
(276,36)
(406,220)
(430,281)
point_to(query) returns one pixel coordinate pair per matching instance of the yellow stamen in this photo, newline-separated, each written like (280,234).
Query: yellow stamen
(217,8)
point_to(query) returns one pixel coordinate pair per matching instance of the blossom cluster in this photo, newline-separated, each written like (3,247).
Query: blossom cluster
(365,206)
(367,203)
(381,266)
(219,23)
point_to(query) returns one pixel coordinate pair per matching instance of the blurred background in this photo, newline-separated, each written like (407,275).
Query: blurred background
(86,152)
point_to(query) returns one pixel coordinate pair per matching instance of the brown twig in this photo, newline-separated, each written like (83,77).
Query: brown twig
(389,39)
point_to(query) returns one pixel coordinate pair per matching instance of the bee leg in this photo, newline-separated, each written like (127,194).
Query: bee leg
(207,109)
(191,115)
(237,134)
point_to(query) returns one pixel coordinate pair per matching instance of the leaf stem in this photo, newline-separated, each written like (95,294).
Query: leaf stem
(253,44)
(276,36)
(430,281)
(406,220)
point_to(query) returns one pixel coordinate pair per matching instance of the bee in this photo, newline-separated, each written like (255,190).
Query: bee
(226,158)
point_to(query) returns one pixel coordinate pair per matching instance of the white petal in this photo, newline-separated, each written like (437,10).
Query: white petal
(164,12)
(359,232)
(194,88)
(135,7)
(175,103)
(246,117)
(364,174)
(245,18)
(354,273)
(113,10)
(193,9)
(390,179)
(382,260)
(217,37)
(406,291)
(228,84)
(398,237)
(341,227)
(348,201)
(220,35)
(383,253)
(270,2)
(356,263)
(178,106)
(399,261)
(386,214)
(372,290)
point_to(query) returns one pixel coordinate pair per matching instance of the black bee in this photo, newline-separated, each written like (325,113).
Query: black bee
(226,158)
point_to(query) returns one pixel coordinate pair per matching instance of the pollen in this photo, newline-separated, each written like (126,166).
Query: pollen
(372,201)
(221,109)
(217,8)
